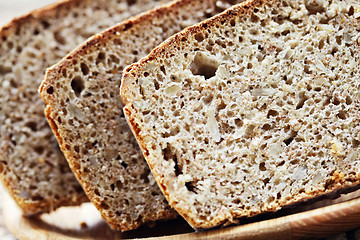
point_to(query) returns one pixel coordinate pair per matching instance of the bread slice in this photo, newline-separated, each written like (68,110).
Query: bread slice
(32,167)
(84,109)
(252,110)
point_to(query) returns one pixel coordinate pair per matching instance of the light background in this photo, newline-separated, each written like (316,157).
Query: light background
(13,8)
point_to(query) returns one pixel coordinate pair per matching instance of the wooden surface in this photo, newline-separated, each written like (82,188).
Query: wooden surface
(84,222)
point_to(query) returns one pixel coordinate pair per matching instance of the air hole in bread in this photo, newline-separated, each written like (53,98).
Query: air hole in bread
(238,122)
(351,11)
(266,181)
(39,149)
(119,185)
(221,106)
(131,2)
(156,85)
(339,40)
(37,198)
(59,38)
(124,165)
(4,69)
(169,155)
(96,191)
(355,143)
(199,37)
(50,90)
(314,6)
(117,41)
(302,100)
(336,101)
(190,187)
(104,205)
(32,126)
(348,100)
(114,59)
(272,113)
(145,177)
(253,18)
(11,45)
(341,115)
(84,69)
(77,148)
(249,130)
(290,138)
(77,84)
(262,166)
(100,58)
(208,99)
(334,50)
(45,24)
(204,65)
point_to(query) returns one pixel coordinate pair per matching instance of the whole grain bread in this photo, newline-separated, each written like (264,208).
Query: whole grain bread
(84,109)
(252,110)
(32,166)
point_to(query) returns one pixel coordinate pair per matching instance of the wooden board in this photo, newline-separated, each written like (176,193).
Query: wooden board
(84,222)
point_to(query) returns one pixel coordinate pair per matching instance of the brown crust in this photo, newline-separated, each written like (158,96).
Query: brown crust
(31,207)
(131,73)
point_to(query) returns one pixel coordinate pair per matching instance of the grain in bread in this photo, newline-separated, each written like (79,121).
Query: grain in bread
(252,110)
(32,166)
(84,109)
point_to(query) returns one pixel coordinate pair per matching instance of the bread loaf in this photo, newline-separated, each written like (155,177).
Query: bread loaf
(84,109)
(32,167)
(251,110)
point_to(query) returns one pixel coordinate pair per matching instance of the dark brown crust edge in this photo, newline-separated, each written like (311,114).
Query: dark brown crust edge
(338,183)
(47,205)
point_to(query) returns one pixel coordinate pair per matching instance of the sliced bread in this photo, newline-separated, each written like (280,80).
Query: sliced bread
(31,164)
(84,109)
(252,110)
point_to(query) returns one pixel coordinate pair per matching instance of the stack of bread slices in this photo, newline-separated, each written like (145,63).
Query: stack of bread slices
(211,109)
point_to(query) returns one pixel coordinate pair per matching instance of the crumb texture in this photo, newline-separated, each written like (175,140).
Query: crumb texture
(252,111)
(31,164)
(82,96)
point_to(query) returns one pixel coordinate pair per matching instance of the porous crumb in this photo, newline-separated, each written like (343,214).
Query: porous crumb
(269,116)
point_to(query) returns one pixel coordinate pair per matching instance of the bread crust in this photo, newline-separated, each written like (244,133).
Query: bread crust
(129,92)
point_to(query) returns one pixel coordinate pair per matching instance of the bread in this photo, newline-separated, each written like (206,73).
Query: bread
(252,110)
(32,167)
(84,109)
